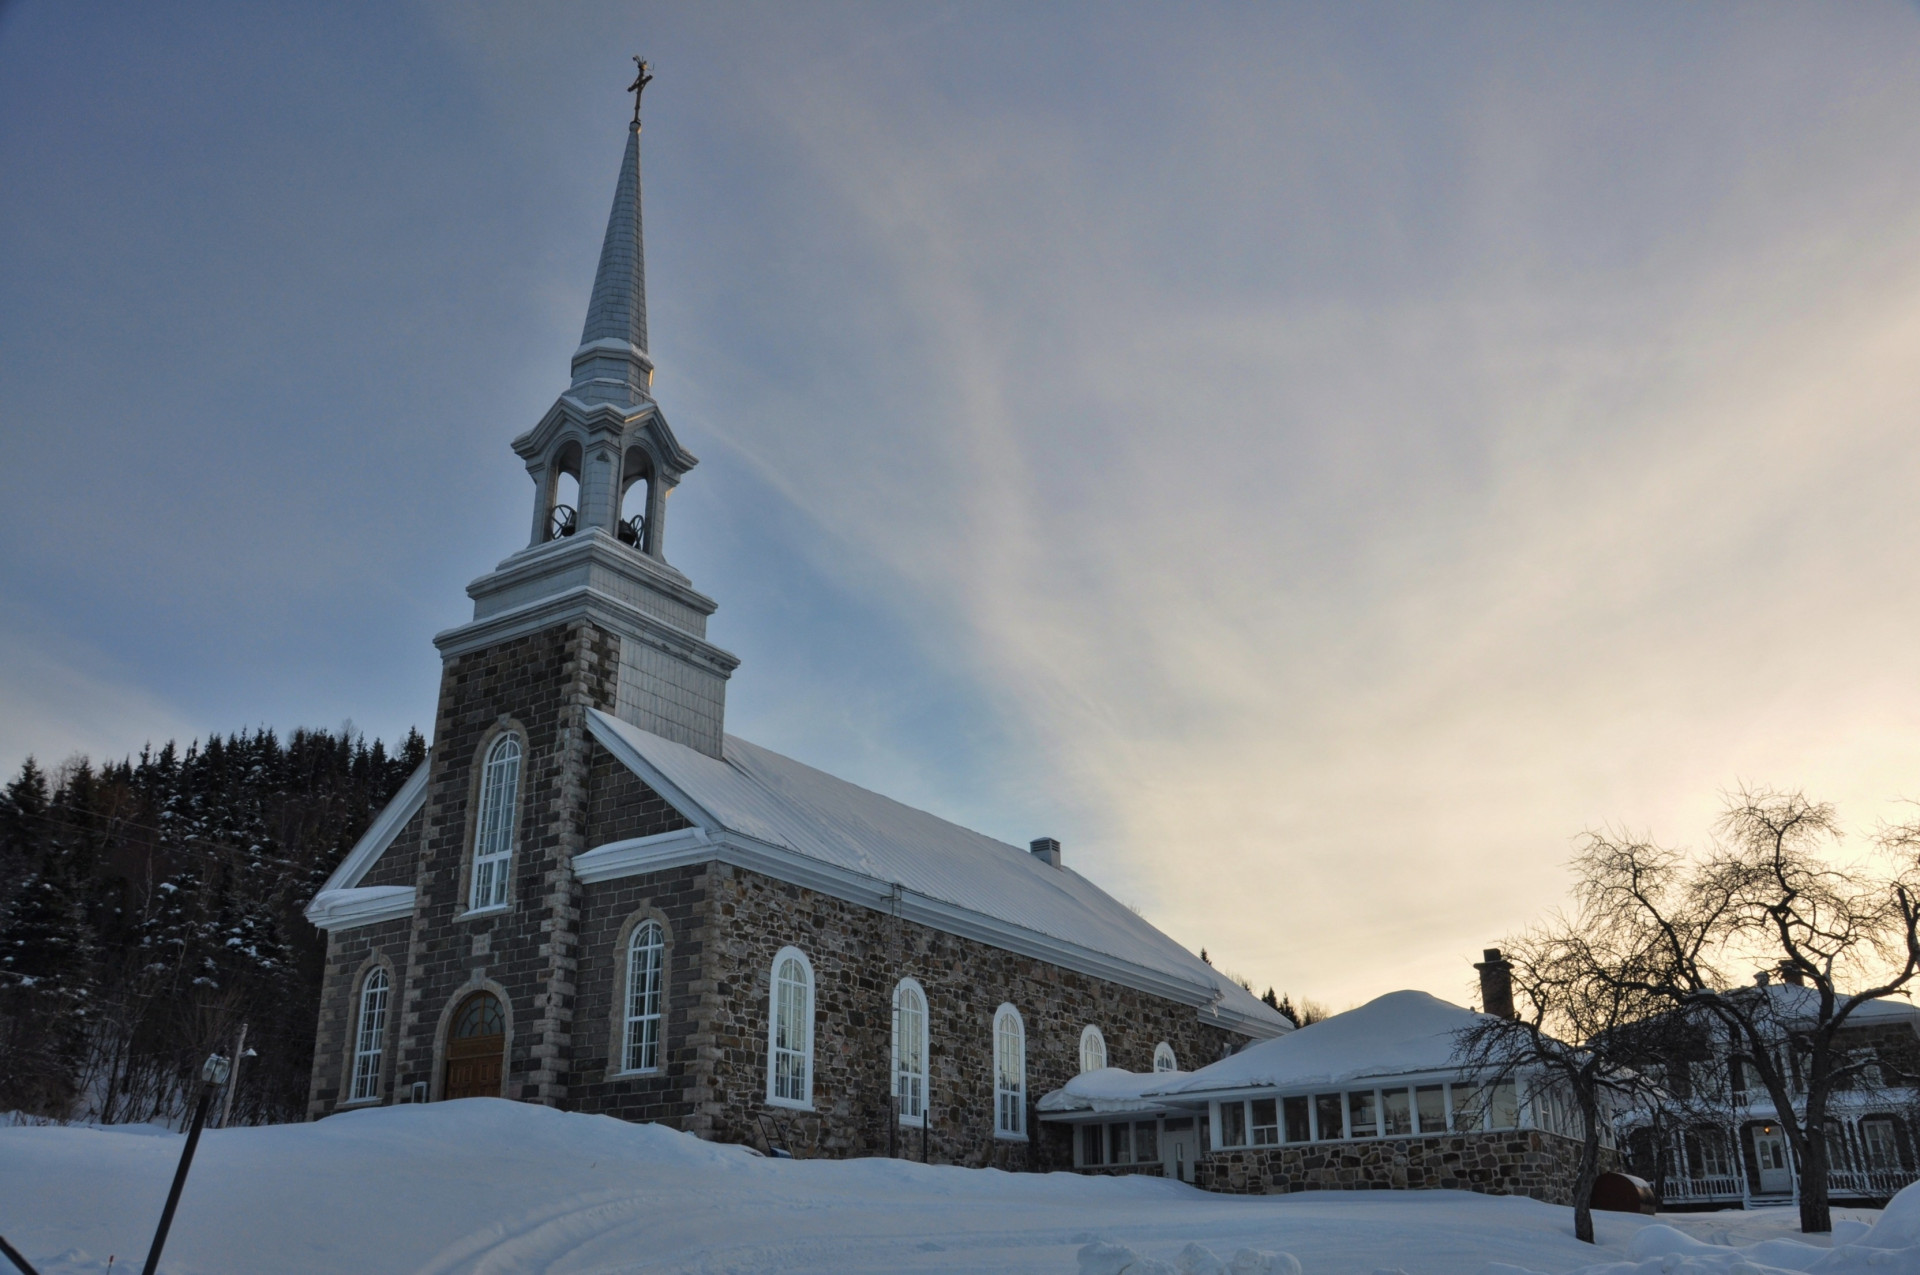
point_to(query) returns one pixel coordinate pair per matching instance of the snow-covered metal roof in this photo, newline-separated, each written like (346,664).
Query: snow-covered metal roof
(935,871)
(1400,1034)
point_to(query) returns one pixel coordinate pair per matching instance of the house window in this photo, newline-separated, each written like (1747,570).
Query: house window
(1707,1153)
(1878,1138)
(1299,1124)
(1504,1106)
(1009,1074)
(790,1031)
(1093,1049)
(1468,1108)
(1362,1115)
(1163,1059)
(1396,1113)
(1146,1142)
(1264,1117)
(910,1051)
(1120,1143)
(646,952)
(493,834)
(1233,1124)
(1327,1110)
(1431,1103)
(370,1041)
(1092,1144)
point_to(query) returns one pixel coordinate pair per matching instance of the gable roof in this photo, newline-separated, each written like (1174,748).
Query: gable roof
(796,823)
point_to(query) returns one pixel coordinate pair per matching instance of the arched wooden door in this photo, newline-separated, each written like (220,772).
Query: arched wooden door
(476,1048)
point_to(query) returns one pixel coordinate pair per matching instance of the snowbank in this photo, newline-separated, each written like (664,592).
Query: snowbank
(484,1187)
(1891,1246)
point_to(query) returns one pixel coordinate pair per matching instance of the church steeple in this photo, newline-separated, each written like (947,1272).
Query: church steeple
(601,560)
(612,365)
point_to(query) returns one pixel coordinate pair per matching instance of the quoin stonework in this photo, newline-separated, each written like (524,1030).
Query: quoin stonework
(592,897)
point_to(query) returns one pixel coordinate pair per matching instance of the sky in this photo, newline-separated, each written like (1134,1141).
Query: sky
(1313,460)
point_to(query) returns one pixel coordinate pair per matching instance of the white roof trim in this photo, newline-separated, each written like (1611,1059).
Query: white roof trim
(345,909)
(380,833)
(619,859)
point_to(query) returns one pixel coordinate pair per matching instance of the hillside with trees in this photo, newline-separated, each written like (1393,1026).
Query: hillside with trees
(149,907)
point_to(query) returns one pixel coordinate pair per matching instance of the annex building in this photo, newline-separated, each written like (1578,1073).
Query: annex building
(592,897)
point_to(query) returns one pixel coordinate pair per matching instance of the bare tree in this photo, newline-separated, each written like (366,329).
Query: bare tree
(1576,1029)
(1766,893)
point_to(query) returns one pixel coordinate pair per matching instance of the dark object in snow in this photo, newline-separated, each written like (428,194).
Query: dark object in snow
(13,1255)
(1623,1193)
(212,1075)
(768,1125)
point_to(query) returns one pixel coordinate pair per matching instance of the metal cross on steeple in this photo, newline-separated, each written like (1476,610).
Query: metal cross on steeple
(639,86)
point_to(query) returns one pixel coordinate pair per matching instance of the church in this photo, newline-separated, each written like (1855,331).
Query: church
(592,897)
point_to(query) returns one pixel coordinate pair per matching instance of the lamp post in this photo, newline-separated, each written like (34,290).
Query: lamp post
(213,1074)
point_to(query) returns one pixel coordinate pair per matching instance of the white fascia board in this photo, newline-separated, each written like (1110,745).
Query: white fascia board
(1307,1088)
(345,909)
(631,858)
(380,833)
(1245,1024)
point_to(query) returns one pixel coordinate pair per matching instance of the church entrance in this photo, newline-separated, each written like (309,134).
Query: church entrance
(476,1048)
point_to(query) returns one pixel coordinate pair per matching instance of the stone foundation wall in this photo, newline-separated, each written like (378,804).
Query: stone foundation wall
(1529,1162)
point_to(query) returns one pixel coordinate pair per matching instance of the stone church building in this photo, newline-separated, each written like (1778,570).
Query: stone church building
(592,897)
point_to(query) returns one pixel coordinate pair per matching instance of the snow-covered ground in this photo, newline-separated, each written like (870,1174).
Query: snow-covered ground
(489,1186)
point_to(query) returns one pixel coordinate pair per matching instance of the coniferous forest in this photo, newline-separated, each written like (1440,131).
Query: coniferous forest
(150,907)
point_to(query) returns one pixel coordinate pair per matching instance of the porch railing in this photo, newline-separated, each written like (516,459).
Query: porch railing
(1717,1186)
(1875,1183)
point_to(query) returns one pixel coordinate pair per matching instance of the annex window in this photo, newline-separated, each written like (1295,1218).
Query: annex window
(1009,1074)
(1233,1124)
(1327,1112)
(1093,1049)
(1362,1115)
(1093,1144)
(1431,1102)
(790,1031)
(1469,1108)
(1299,1128)
(370,1041)
(910,1051)
(646,953)
(493,834)
(1503,1106)
(1396,1113)
(1264,1117)
(1163,1059)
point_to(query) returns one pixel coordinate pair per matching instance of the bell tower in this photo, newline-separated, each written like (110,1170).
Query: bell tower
(602,558)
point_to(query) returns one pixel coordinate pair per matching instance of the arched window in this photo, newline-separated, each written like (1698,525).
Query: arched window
(1009,1074)
(910,1051)
(790,1031)
(645,953)
(370,1042)
(1093,1049)
(493,835)
(1163,1059)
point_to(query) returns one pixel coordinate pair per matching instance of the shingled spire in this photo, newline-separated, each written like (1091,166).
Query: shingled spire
(611,365)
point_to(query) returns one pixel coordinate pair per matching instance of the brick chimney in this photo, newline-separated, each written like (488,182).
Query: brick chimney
(1496,984)
(1047,850)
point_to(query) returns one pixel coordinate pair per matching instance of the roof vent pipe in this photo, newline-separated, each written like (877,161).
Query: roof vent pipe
(1496,984)
(1047,850)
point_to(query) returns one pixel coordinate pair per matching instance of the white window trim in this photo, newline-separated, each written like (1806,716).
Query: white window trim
(659,1016)
(1164,1050)
(780,958)
(378,1051)
(924,1070)
(493,843)
(1092,1035)
(1008,1014)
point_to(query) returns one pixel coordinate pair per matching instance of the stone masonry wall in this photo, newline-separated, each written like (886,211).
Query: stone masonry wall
(541,684)
(1528,1162)
(347,953)
(399,862)
(858,955)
